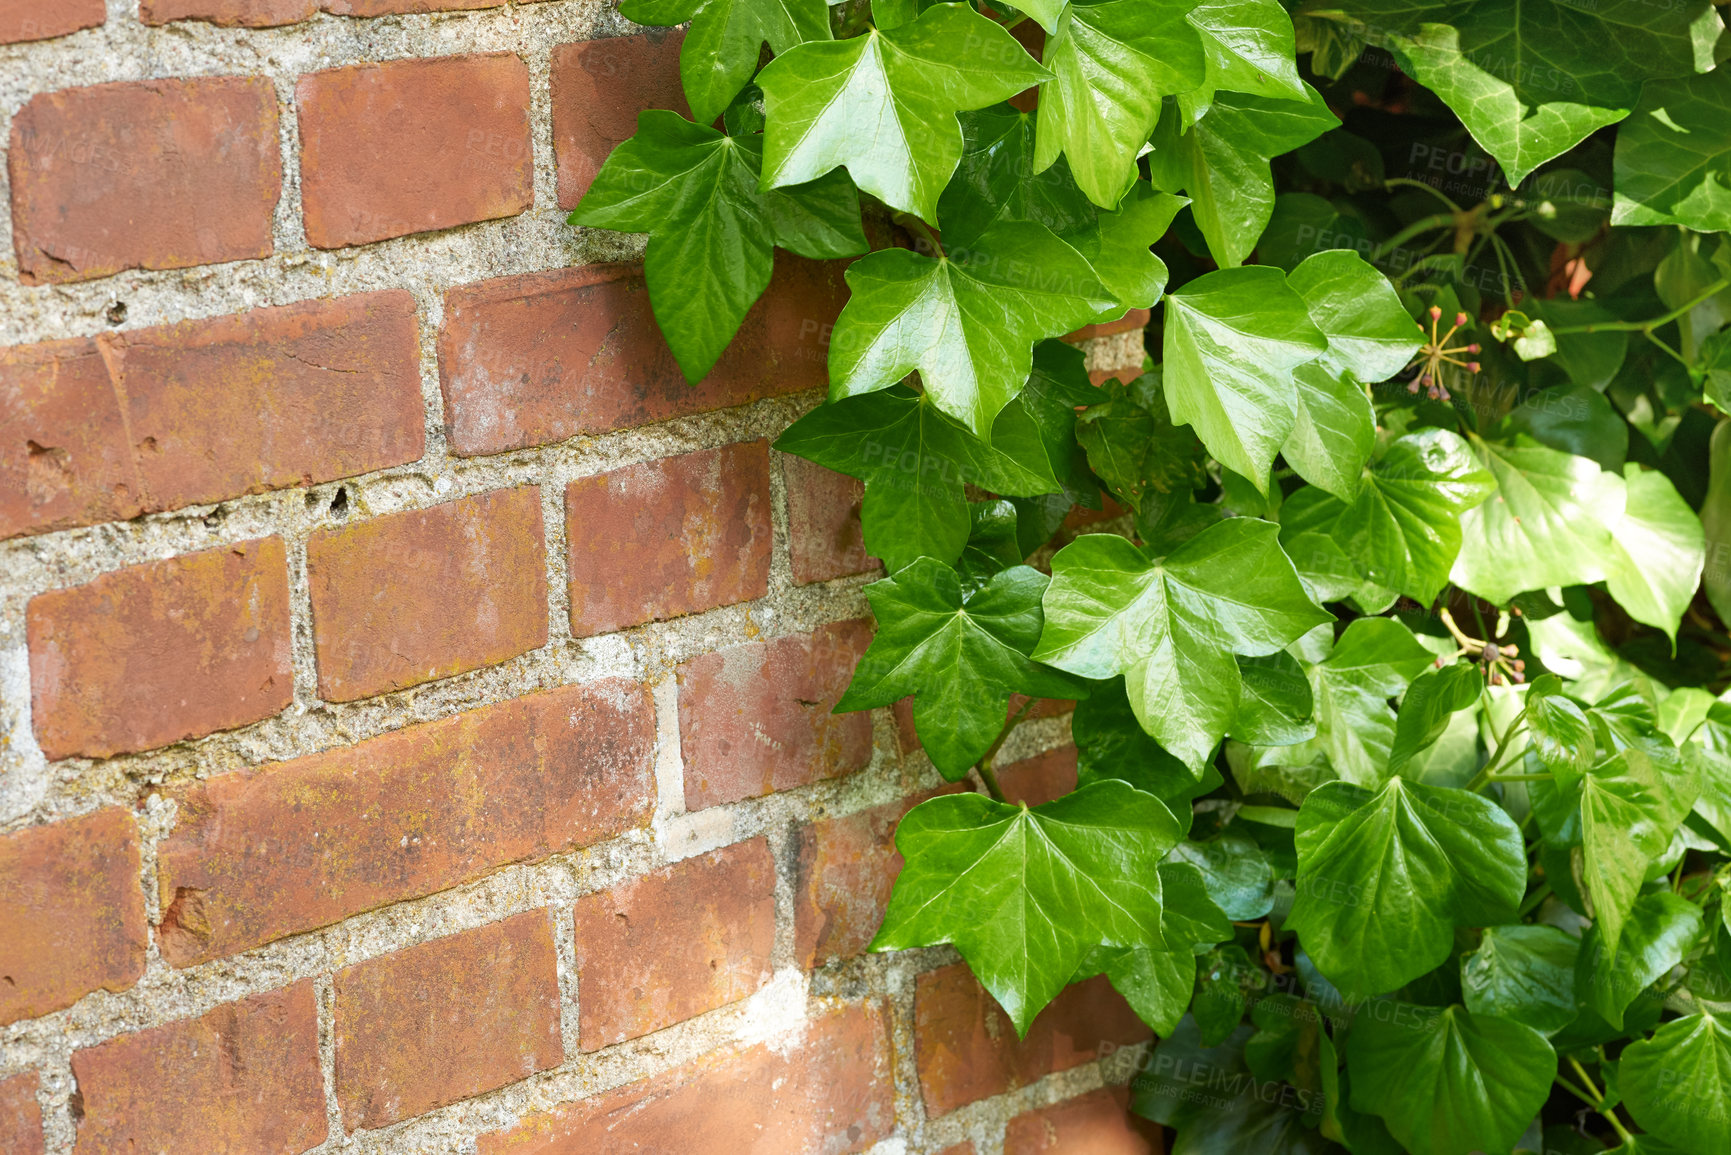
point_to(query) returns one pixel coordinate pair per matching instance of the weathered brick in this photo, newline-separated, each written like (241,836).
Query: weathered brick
(823,522)
(261,854)
(413,145)
(445,1020)
(1040,779)
(599,87)
(244,1077)
(22,20)
(202,411)
(965,1148)
(659,949)
(831,1093)
(967,1049)
(20,1116)
(275,13)
(410,597)
(150,174)
(161,652)
(538,358)
(1134,319)
(72,913)
(670,537)
(1098,1123)
(755,718)
(845,869)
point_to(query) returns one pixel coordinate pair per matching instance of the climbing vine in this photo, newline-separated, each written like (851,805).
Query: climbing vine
(1404,803)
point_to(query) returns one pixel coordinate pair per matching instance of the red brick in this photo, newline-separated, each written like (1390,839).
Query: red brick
(533,359)
(845,870)
(244,1077)
(1040,779)
(664,538)
(262,854)
(754,719)
(599,87)
(73,913)
(411,597)
(275,13)
(831,1093)
(967,1049)
(451,1018)
(202,411)
(22,20)
(1134,319)
(161,652)
(1098,1123)
(673,944)
(20,1116)
(823,522)
(958,1149)
(151,174)
(413,145)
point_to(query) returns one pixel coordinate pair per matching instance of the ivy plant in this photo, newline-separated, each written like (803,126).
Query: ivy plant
(1391,590)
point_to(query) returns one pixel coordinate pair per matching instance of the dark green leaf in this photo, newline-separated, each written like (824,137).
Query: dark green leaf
(1236,872)
(1674,155)
(1384,878)
(960,658)
(1658,932)
(1025,894)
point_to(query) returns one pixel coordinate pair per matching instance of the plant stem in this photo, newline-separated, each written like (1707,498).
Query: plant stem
(1598,1101)
(1484,776)
(1438,221)
(987,774)
(1394,181)
(1710,292)
(1672,353)
(1521,777)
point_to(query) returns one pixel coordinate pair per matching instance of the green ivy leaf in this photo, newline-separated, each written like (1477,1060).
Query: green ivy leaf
(961,657)
(1235,1115)
(1370,338)
(909,81)
(721,47)
(1025,894)
(1673,163)
(1172,626)
(1134,447)
(967,322)
(1274,702)
(1658,932)
(1659,551)
(1156,983)
(1236,872)
(996,183)
(1530,80)
(915,462)
(1372,662)
(1523,973)
(1449,1081)
(1232,341)
(1110,743)
(1385,877)
(1430,702)
(1631,803)
(1222,162)
(1111,65)
(1250,47)
(1677,1084)
(1544,526)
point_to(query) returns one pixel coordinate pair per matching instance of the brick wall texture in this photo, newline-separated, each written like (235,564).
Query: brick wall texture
(415,726)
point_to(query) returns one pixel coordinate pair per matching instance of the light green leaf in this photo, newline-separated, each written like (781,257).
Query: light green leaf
(1373,662)
(1026,894)
(909,82)
(1385,877)
(1249,45)
(1236,872)
(1660,551)
(1449,1081)
(914,462)
(1370,338)
(1111,64)
(1232,341)
(1631,803)
(960,657)
(1558,729)
(1222,162)
(1430,702)
(1157,983)
(721,47)
(1544,526)
(1677,1084)
(1658,932)
(966,321)
(1673,164)
(1525,974)
(1172,626)
(1274,702)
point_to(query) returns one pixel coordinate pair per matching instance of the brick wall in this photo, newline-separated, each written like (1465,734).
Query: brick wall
(414,726)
